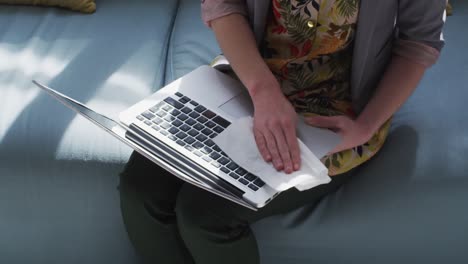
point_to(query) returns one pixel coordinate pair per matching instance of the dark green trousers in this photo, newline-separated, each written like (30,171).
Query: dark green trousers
(172,222)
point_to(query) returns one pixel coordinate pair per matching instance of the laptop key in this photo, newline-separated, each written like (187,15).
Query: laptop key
(202,119)
(193,103)
(209,114)
(215,155)
(210,124)
(174,112)
(190,122)
(184,127)
(155,127)
(165,125)
(173,102)
(213,135)
(172,137)
(181,135)
(156,107)
(161,113)
(243,181)
(215,164)
(234,175)
(157,121)
(250,177)
(194,114)
(253,187)
(164,132)
(173,130)
(189,140)
(198,153)
(180,142)
(215,147)
(209,143)
(200,108)
(206,150)
(148,115)
(259,182)
(241,171)
(182,117)
(232,166)
(207,159)
(193,132)
(184,100)
(166,108)
(198,126)
(186,110)
(207,131)
(201,137)
(141,118)
(148,123)
(223,160)
(177,123)
(225,170)
(198,145)
(221,121)
(218,129)
(169,118)
(179,94)
(189,148)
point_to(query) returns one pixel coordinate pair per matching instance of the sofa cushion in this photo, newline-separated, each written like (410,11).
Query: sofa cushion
(85,6)
(109,61)
(191,44)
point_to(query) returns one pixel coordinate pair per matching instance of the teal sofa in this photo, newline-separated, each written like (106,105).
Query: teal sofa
(59,200)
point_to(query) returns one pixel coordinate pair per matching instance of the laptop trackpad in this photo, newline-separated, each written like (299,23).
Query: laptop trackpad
(239,106)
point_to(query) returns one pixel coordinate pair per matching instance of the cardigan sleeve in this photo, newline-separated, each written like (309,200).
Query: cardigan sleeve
(213,9)
(420,25)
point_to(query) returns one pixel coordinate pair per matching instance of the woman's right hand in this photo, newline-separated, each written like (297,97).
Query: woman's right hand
(275,128)
(274,118)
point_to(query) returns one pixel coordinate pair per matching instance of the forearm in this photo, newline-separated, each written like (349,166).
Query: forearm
(399,81)
(238,44)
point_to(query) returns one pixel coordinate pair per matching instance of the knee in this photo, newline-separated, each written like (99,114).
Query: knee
(202,210)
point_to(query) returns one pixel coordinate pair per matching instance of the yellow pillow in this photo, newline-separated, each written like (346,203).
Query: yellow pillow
(85,6)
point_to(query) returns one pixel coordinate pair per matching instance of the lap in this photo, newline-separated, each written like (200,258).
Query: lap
(156,187)
(195,202)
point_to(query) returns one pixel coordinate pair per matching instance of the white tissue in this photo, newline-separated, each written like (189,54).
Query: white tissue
(238,142)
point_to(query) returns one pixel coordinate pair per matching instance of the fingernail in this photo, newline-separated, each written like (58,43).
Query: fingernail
(296,166)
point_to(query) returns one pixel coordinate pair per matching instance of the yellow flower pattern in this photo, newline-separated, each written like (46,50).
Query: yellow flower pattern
(308,46)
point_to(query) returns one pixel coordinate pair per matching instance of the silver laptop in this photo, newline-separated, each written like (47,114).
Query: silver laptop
(175,126)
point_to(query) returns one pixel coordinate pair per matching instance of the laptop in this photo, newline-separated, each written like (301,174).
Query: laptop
(174,128)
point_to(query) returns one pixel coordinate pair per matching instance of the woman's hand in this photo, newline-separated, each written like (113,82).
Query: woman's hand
(352,132)
(275,129)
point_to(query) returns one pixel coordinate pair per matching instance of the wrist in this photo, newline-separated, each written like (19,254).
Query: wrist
(368,127)
(263,86)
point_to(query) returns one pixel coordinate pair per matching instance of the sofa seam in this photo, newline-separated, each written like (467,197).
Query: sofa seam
(169,69)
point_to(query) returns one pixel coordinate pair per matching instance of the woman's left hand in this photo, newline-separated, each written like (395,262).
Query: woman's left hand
(353,133)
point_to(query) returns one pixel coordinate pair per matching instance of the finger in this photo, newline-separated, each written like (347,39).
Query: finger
(293,144)
(325,121)
(262,147)
(271,145)
(283,149)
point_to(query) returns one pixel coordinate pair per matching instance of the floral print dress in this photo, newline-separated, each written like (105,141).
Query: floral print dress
(308,46)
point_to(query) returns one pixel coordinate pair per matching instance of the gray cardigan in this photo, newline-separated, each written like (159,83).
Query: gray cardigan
(409,28)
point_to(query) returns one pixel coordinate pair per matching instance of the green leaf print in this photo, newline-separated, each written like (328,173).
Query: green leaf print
(335,161)
(347,8)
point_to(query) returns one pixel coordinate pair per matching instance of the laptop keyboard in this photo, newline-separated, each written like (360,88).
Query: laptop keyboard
(193,126)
